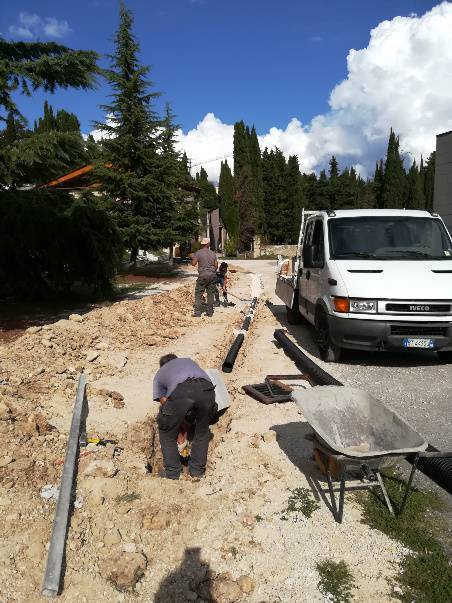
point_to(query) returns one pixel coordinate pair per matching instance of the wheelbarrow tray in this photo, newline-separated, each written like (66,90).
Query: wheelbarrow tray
(353,423)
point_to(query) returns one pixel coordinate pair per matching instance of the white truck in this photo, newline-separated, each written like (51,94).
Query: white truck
(372,279)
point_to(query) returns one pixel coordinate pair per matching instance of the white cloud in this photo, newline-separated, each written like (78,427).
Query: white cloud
(33,26)
(402,79)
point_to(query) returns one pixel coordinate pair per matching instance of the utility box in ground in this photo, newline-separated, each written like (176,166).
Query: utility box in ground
(442,201)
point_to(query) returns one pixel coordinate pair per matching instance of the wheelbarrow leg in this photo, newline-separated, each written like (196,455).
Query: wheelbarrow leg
(332,496)
(409,484)
(341,496)
(385,493)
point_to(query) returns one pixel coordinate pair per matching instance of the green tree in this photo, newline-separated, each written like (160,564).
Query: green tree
(429,180)
(133,170)
(228,206)
(256,171)
(378,183)
(244,187)
(414,190)
(27,66)
(393,193)
(185,221)
(295,197)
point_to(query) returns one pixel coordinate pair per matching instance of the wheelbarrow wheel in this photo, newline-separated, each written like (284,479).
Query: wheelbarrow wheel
(329,352)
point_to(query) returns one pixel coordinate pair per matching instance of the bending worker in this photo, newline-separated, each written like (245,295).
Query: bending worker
(207,276)
(181,386)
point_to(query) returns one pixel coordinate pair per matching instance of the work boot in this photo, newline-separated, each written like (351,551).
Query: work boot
(162,473)
(196,314)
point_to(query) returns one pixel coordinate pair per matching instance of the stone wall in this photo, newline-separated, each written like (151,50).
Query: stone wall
(286,251)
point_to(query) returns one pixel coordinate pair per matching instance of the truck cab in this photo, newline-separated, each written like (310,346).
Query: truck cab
(373,279)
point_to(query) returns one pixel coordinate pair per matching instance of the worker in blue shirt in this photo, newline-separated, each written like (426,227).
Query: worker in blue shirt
(181,386)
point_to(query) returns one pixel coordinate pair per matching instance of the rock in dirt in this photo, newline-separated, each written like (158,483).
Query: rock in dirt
(112,538)
(156,522)
(34,329)
(76,317)
(246,584)
(221,589)
(23,464)
(5,461)
(123,570)
(118,403)
(269,436)
(92,356)
(5,412)
(100,469)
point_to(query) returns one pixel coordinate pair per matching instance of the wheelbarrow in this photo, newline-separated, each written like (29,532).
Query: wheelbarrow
(354,433)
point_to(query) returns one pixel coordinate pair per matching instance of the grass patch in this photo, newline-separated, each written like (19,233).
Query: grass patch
(425,575)
(336,581)
(300,501)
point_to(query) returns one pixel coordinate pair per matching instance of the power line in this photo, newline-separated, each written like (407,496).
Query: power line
(192,165)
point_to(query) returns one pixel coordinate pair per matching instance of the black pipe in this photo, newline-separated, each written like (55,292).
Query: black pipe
(305,364)
(438,469)
(228,363)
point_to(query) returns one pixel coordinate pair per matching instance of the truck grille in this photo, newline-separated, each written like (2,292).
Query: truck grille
(419,330)
(418,308)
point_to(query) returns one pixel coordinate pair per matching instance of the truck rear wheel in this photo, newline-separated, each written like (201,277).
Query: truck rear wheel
(329,352)
(294,316)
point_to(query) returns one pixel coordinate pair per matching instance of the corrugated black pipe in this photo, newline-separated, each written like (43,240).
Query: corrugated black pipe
(305,364)
(229,361)
(438,469)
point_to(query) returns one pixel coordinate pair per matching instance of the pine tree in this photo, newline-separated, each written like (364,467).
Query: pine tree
(47,65)
(393,194)
(334,168)
(229,209)
(133,171)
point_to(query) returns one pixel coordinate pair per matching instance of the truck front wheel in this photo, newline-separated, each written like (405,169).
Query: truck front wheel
(294,316)
(445,357)
(329,352)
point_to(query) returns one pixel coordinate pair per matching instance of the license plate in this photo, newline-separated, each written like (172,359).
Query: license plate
(418,343)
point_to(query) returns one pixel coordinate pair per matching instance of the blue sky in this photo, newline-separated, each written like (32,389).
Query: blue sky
(261,61)
(267,62)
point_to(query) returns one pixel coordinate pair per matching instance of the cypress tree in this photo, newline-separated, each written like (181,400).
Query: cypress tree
(256,170)
(244,188)
(378,183)
(134,180)
(414,191)
(393,194)
(429,180)
(229,209)
(295,198)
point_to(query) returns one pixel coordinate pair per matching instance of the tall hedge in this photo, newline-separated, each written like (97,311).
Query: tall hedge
(49,243)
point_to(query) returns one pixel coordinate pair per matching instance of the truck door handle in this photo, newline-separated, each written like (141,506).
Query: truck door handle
(308,274)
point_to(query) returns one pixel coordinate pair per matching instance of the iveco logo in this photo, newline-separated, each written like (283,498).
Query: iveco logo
(419,308)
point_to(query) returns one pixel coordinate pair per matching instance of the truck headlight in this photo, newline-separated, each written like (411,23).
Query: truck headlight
(363,305)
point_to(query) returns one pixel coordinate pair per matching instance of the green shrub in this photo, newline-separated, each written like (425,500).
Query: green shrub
(49,242)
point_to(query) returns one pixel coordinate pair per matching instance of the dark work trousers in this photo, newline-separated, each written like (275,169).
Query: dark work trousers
(205,282)
(193,394)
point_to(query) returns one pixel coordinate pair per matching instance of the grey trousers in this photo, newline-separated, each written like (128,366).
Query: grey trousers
(205,283)
(197,395)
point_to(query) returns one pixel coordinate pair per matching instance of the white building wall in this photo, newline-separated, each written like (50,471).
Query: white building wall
(442,201)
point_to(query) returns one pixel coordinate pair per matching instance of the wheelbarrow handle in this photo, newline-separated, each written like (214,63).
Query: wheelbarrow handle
(435,454)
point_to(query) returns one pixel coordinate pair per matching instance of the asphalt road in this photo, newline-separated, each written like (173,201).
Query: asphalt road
(414,383)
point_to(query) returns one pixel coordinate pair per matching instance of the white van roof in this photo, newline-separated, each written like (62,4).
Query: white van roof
(356,213)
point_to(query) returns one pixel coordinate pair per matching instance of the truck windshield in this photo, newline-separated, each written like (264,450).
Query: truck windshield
(388,238)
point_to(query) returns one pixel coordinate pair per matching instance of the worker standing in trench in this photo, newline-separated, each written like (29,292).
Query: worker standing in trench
(207,263)
(182,387)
